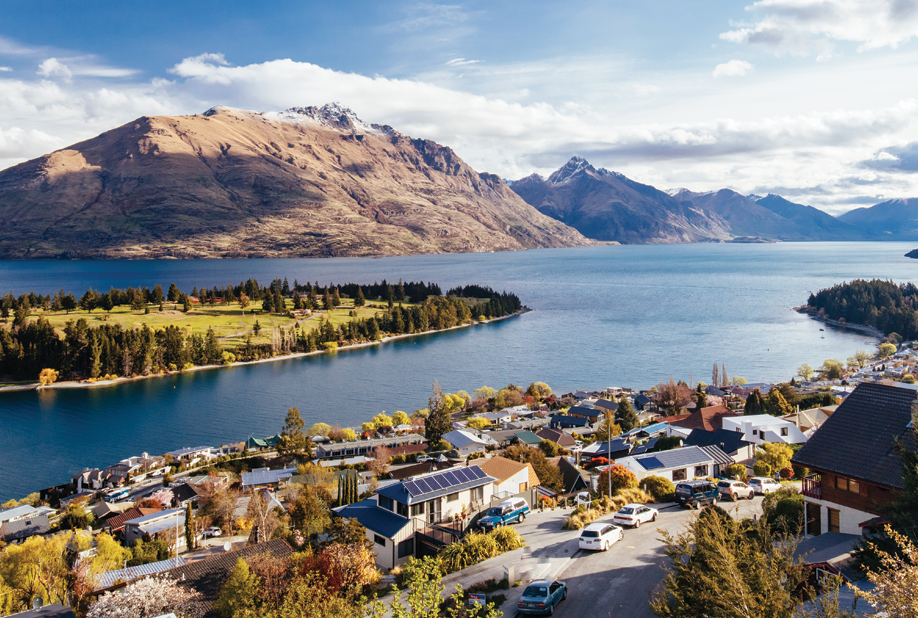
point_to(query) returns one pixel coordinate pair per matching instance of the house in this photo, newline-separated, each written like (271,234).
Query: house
(496,418)
(185,493)
(262,477)
(395,451)
(588,413)
(561,421)
(111,579)
(571,476)
(503,437)
(23,511)
(856,470)
(398,512)
(426,467)
(161,524)
(581,395)
(189,455)
(810,420)
(530,424)
(679,464)
(557,436)
(707,419)
(651,431)
(353,448)
(18,530)
(528,438)
(467,442)
(115,525)
(761,428)
(347,461)
(643,403)
(512,477)
(90,479)
(731,442)
(605,405)
(611,450)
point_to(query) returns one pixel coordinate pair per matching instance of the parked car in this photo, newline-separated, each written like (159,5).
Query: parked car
(541,596)
(634,515)
(507,512)
(696,493)
(211,532)
(600,536)
(424,458)
(764,485)
(734,490)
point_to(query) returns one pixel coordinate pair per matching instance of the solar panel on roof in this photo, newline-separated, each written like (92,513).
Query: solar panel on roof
(651,462)
(411,488)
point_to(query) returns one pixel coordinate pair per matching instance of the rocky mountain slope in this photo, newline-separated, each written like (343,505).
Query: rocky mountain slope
(313,181)
(892,219)
(608,206)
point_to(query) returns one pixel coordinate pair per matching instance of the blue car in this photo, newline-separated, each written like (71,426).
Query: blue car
(507,512)
(541,596)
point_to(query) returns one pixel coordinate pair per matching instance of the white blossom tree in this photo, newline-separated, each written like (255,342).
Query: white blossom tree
(148,598)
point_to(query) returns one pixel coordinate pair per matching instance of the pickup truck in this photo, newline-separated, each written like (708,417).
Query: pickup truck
(507,512)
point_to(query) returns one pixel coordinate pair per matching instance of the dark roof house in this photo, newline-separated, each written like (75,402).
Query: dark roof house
(21,529)
(730,442)
(571,476)
(557,436)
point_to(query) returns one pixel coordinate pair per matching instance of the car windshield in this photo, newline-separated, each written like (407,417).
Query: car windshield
(626,511)
(723,484)
(536,591)
(589,534)
(495,511)
(755,482)
(683,489)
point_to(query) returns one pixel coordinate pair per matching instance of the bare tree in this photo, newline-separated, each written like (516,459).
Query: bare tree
(266,520)
(672,397)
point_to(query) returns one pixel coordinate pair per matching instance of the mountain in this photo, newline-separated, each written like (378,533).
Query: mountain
(308,181)
(887,220)
(609,206)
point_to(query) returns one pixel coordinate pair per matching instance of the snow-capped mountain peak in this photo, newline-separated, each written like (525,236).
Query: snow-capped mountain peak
(569,170)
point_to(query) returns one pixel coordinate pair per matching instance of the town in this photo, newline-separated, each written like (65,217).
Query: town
(503,492)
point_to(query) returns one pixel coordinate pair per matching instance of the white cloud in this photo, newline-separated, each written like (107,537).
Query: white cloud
(733,68)
(458,62)
(5,69)
(52,67)
(803,27)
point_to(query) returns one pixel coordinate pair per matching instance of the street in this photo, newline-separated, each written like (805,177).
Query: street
(613,583)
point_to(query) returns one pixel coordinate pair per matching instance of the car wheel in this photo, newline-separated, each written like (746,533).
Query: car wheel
(733,497)
(605,546)
(564,596)
(637,523)
(522,517)
(551,609)
(751,495)
(621,535)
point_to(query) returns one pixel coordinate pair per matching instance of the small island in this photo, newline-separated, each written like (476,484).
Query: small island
(912,254)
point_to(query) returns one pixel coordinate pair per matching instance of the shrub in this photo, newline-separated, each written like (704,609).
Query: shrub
(662,489)
(761,469)
(787,473)
(622,479)
(783,510)
(737,471)
(507,538)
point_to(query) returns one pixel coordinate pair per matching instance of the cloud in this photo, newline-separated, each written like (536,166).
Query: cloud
(52,68)
(5,69)
(895,159)
(733,68)
(458,62)
(425,15)
(804,27)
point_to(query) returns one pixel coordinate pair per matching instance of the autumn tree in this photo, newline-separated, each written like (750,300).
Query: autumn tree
(310,514)
(776,404)
(806,372)
(885,350)
(622,478)
(672,397)
(438,422)
(238,592)
(548,473)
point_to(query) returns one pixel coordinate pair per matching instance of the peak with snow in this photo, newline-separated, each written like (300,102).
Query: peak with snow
(333,116)
(570,169)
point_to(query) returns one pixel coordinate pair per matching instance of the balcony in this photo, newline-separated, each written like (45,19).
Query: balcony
(812,486)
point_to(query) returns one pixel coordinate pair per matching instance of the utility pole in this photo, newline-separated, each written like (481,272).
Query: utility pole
(609,445)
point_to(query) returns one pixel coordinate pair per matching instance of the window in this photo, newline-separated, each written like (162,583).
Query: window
(847,484)
(385,503)
(417,509)
(406,548)
(784,431)
(755,432)
(523,487)
(834,524)
(679,475)
(701,470)
(478,493)
(401,509)
(452,497)
(379,540)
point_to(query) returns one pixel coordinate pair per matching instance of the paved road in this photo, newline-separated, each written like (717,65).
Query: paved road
(618,583)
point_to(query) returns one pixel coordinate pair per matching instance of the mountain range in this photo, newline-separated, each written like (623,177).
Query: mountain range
(308,181)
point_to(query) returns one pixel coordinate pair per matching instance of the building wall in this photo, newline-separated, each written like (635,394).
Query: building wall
(512,485)
(849,518)
(866,500)
(667,473)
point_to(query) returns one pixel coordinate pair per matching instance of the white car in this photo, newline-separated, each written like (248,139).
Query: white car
(600,537)
(764,485)
(634,515)
(211,532)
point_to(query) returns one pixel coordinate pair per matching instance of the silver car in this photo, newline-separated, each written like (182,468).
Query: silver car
(734,490)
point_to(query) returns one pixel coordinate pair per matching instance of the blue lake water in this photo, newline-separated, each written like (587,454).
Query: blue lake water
(603,316)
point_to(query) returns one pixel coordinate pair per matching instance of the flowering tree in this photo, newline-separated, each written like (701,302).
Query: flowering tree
(147,598)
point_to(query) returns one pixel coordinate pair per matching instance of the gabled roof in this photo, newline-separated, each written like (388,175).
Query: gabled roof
(374,518)
(461,438)
(570,421)
(618,448)
(185,492)
(156,515)
(23,510)
(557,436)
(427,487)
(605,404)
(680,458)
(528,437)
(24,528)
(502,469)
(117,522)
(727,441)
(583,411)
(858,440)
(572,477)
(106,580)
(709,419)
(642,399)
(263,476)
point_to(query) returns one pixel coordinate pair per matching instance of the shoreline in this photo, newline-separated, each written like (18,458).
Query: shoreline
(34,386)
(870,330)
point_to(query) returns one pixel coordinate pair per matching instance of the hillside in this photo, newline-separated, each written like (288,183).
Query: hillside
(892,219)
(231,183)
(609,206)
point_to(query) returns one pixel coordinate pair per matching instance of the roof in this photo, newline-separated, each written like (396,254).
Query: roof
(185,491)
(48,611)
(407,449)
(528,437)
(557,436)
(858,440)
(573,479)
(22,510)
(208,576)
(188,450)
(117,522)
(417,469)
(24,528)
(604,448)
(647,447)
(461,438)
(709,419)
(151,517)
(570,421)
(584,411)
(109,579)
(372,517)
(642,399)
(173,522)
(423,488)
(502,469)
(728,441)
(606,405)
(655,428)
(680,458)
(264,476)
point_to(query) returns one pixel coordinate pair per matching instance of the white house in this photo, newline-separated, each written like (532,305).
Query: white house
(497,418)
(680,464)
(761,428)
(512,477)
(468,442)
(399,511)
(165,523)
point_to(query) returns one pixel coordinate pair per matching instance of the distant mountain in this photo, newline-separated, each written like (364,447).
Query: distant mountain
(887,220)
(308,181)
(609,206)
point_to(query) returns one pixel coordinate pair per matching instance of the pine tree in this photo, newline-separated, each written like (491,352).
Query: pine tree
(360,300)
(701,399)
(174,293)
(755,403)
(724,376)
(625,417)
(292,439)
(238,594)
(189,528)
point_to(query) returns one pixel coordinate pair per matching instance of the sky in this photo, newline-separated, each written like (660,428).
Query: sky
(815,100)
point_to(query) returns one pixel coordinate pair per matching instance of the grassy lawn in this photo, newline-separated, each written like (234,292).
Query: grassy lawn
(228,321)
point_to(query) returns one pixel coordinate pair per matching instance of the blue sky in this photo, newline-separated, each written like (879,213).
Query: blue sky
(813,99)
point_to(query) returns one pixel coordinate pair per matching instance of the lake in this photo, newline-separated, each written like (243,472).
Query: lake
(603,316)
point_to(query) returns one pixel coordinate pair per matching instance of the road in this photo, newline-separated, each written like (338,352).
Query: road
(618,583)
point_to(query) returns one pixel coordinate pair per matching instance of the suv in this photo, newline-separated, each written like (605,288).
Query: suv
(600,536)
(735,490)
(764,485)
(507,512)
(696,493)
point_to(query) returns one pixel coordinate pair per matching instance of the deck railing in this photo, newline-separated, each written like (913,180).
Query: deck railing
(812,486)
